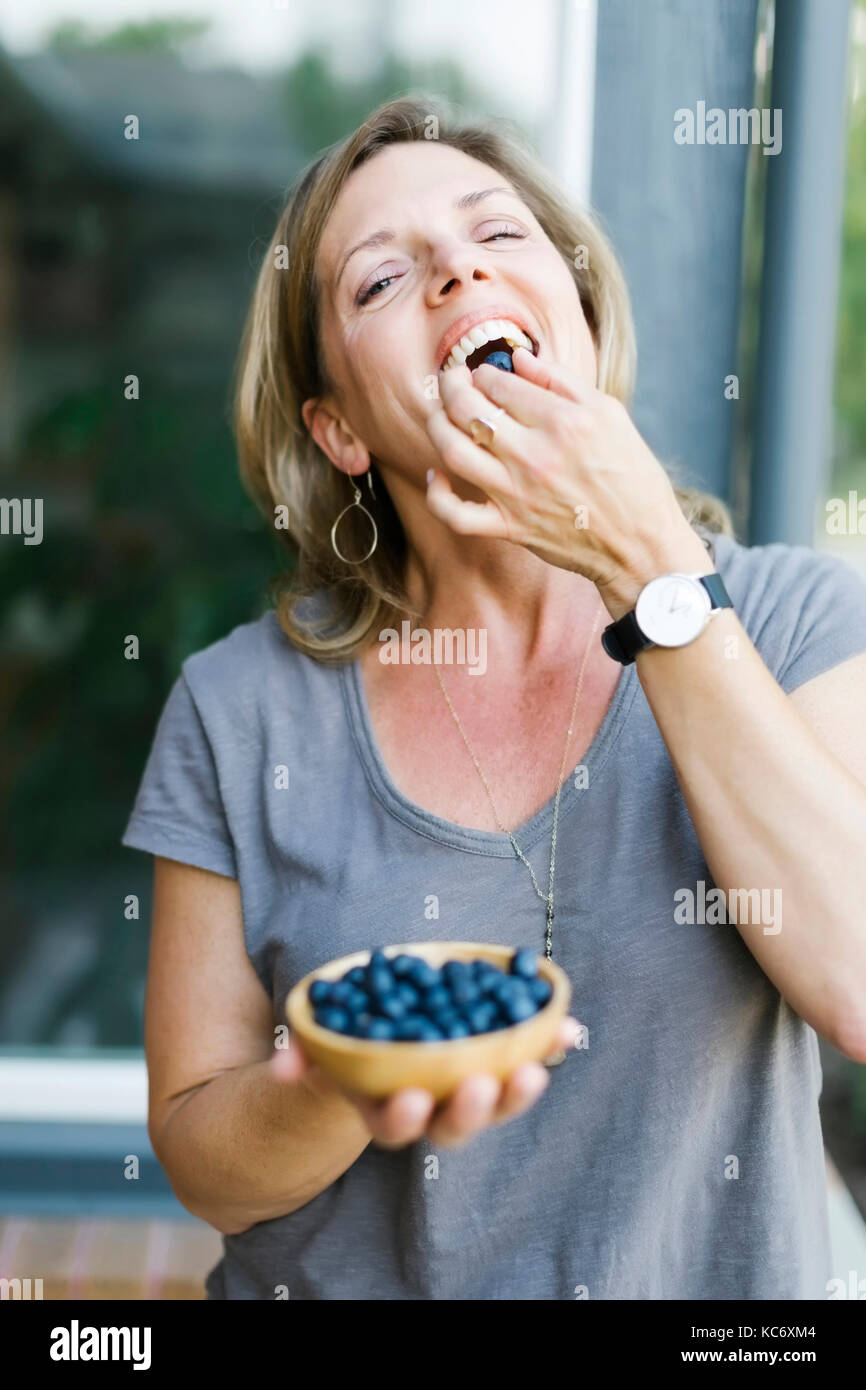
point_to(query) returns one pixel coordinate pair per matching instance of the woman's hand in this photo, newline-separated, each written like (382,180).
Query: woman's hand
(566,474)
(412,1114)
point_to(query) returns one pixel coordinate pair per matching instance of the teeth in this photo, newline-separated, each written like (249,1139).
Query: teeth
(486,332)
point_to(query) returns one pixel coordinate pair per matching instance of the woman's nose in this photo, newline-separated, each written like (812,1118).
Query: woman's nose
(453,265)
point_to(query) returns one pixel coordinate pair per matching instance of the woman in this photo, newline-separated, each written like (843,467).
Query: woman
(305,798)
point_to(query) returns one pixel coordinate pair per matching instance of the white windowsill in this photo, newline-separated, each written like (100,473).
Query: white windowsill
(112,1090)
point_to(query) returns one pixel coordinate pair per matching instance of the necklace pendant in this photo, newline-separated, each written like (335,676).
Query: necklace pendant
(554,1059)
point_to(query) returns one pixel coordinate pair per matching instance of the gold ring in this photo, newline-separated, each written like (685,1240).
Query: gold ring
(483,429)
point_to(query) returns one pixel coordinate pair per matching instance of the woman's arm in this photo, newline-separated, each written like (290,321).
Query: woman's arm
(238,1143)
(775,787)
(247,1132)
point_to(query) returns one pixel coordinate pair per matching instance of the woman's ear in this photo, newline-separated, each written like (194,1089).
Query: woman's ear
(334,437)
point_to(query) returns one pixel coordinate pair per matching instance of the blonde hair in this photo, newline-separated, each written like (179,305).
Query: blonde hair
(281,365)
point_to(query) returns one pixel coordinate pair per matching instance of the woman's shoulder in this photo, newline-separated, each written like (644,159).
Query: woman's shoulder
(777,577)
(246,664)
(804,610)
(243,648)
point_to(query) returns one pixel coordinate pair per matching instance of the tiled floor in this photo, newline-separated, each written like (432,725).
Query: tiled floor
(100,1258)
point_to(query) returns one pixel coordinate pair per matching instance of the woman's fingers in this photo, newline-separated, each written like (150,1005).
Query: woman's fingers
(528,400)
(410,1114)
(567,1036)
(472,464)
(470,1108)
(521,1090)
(460,454)
(464,517)
(463,401)
(550,376)
(399,1120)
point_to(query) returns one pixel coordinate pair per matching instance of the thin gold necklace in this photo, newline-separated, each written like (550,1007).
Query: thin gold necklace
(547,897)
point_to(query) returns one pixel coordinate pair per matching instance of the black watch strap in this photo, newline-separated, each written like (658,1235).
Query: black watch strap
(715,587)
(623,640)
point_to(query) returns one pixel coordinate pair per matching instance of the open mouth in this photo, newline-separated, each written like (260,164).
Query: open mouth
(492,341)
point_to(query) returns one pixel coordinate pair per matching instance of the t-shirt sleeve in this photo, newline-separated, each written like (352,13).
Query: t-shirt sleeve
(178,812)
(823,616)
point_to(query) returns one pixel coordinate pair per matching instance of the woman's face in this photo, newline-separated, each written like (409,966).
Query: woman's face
(423,243)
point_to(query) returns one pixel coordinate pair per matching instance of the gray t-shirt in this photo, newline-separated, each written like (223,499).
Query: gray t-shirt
(679,1154)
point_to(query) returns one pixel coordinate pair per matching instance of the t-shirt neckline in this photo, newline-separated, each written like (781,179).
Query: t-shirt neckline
(489,842)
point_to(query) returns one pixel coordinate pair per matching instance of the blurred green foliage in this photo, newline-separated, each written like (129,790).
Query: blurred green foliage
(160,35)
(151,535)
(850,395)
(322,107)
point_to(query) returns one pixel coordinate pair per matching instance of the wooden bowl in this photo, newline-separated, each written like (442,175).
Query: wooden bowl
(377,1068)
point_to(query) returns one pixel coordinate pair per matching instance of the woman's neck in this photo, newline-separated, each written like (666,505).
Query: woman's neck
(532,611)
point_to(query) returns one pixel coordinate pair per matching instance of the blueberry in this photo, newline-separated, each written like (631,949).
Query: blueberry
(319,992)
(519,1008)
(500,359)
(378,957)
(442,1017)
(381,1028)
(402,966)
(380,981)
(524,964)
(333,1017)
(409,994)
(409,1029)
(480,1016)
(341,992)
(423,975)
(436,998)
(541,990)
(360,1023)
(488,977)
(465,992)
(391,1005)
(454,970)
(356,976)
(356,1001)
(428,1031)
(454,1028)
(506,987)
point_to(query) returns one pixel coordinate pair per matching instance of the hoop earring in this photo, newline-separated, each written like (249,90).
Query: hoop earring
(357,503)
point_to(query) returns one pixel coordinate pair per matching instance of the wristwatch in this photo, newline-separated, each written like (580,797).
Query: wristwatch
(671,611)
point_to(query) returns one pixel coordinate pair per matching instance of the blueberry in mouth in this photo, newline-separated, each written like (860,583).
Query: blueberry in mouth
(495,354)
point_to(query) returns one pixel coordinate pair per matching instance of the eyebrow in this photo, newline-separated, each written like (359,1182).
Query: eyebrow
(387,234)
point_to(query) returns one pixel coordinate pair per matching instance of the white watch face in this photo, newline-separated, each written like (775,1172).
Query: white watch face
(673,610)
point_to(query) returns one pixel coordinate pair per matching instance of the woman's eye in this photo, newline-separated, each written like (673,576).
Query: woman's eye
(504,231)
(374,289)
